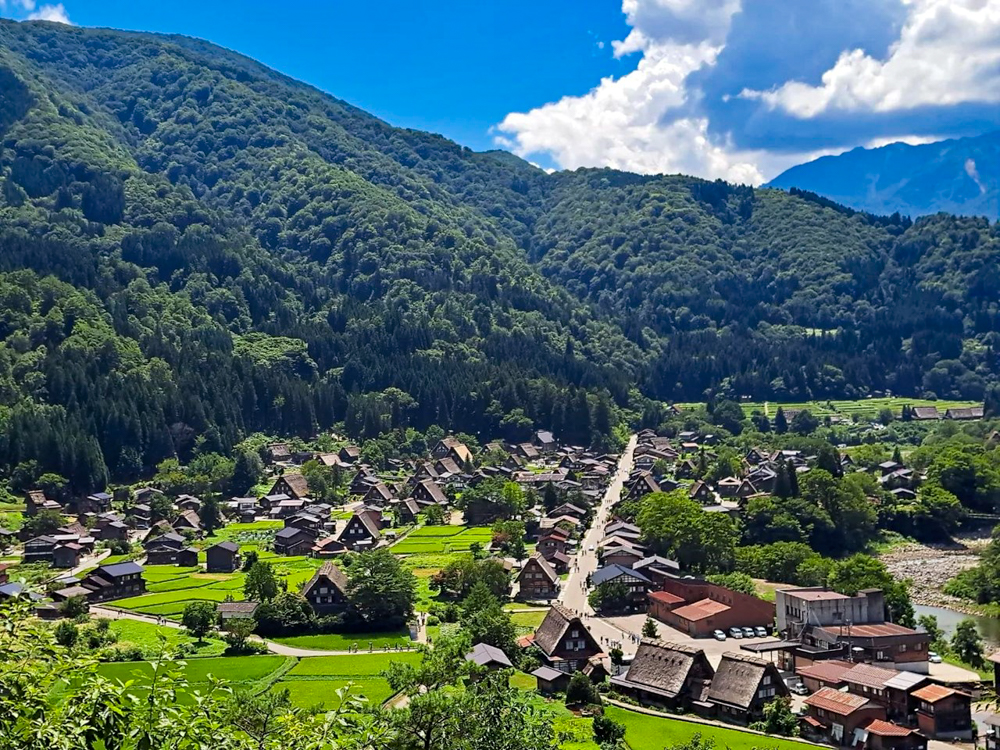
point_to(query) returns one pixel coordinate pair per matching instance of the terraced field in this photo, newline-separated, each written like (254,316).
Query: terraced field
(429,540)
(171,588)
(867,408)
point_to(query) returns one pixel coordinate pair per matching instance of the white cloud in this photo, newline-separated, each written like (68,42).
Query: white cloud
(948,53)
(620,122)
(910,140)
(56,13)
(25,6)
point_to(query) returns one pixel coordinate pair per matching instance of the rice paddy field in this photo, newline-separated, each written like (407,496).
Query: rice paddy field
(867,408)
(429,540)
(152,639)
(170,588)
(310,682)
(646,732)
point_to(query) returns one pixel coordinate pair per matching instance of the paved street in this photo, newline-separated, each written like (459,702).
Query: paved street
(574,592)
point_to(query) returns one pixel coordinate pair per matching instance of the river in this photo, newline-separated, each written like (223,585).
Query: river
(989,627)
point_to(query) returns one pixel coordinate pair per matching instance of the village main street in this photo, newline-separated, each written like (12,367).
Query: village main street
(574,593)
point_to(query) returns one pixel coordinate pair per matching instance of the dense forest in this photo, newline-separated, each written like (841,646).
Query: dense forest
(194,248)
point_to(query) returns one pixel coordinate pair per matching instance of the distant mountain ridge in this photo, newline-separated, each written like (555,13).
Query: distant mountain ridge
(959,176)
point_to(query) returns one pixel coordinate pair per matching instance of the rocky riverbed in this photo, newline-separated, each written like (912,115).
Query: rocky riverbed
(930,567)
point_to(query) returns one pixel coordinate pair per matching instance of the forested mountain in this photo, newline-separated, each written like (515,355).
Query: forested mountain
(194,247)
(959,176)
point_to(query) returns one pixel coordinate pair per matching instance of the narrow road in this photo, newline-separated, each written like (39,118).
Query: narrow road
(574,593)
(113,613)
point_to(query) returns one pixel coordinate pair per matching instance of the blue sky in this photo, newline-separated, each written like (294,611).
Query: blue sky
(737,89)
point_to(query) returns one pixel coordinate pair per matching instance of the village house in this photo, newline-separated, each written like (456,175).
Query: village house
(229,611)
(742,686)
(188,520)
(379,494)
(453,448)
(885,644)
(326,591)
(537,579)
(488,657)
(35,502)
(884,735)
(406,510)
(838,717)
(549,681)
(546,441)
(294,485)
(99,502)
(635,583)
(223,557)
(824,673)
(116,581)
(801,607)
(891,688)
(944,713)
(564,643)
(360,533)
(620,552)
(291,541)
(427,493)
(668,675)
(552,542)
(699,607)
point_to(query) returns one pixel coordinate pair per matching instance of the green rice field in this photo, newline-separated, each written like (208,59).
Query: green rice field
(442,539)
(867,408)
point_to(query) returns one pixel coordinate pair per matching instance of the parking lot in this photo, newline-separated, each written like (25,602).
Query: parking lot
(713,649)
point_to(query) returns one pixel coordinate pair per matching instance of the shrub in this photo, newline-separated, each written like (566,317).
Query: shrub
(581,690)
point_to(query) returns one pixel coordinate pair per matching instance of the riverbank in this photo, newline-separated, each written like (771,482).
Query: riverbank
(930,566)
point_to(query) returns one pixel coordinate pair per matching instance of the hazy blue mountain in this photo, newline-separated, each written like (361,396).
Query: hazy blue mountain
(957,176)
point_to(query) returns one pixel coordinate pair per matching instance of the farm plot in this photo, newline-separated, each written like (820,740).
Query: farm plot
(315,680)
(171,588)
(442,539)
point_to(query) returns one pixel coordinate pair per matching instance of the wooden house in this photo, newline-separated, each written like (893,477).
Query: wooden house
(669,675)
(326,591)
(743,685)
(564,643)
(223,557)
(537,579)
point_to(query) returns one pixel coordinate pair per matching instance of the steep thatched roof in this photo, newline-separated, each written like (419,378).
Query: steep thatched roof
(664,668)
(737,679)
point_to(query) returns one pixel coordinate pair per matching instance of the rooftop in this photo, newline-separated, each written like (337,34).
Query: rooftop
(701,609)
(835,701)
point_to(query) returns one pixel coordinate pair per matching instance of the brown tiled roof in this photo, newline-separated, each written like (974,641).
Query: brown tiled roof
(663,666)
(827,671)
(701,609)
(887,729)
(868,675)
(934,693)
(666,597)
(836,702)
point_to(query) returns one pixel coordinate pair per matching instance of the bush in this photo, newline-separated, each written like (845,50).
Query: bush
(582,691)
(607,731)
(67,634)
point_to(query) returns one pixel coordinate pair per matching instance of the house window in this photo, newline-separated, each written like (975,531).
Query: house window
(902,648)
(766,680)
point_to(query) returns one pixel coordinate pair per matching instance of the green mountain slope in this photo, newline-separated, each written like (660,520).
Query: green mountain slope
(194,247)
(956,176)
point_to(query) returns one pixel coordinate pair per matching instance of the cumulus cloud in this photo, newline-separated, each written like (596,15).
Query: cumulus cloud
(948,53)
(741,89)
(56,13)
(29,10)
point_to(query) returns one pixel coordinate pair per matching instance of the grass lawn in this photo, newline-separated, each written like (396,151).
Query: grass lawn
(147,637)
(323,693)
(528,621)
(644,732)
(353,666)
(238,670)
(342,641)
(523,680)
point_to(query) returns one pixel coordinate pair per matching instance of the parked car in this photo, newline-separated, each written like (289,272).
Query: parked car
(735,632)
(933,657)
(748,633)
(799,689)
(761,631)
(719,635)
